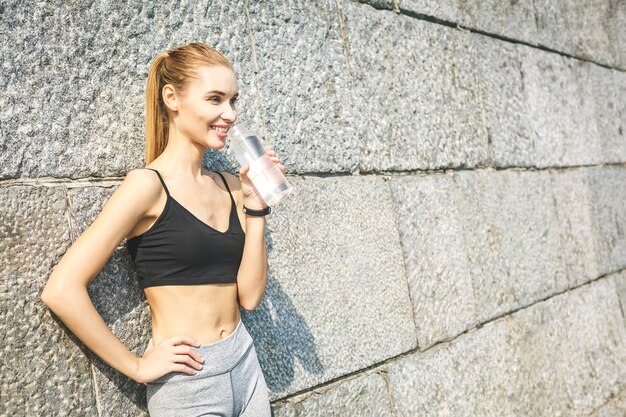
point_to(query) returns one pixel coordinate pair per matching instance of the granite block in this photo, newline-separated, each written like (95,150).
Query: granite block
(610,112)
(573,203)
(303,85)
(608,212)
(507,112)
(512,19)
(434,250)
(562,111)
(45,369)
(364,395)
(336,298)
(615,407)
(417,103)
(577,28)
(620,288)
(512,238)
(559,357)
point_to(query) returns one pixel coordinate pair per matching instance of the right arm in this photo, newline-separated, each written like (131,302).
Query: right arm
(65,292)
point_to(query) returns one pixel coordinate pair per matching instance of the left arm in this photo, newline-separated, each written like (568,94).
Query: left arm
(252,274)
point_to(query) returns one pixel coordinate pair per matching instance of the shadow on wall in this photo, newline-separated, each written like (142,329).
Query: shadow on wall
(281,337)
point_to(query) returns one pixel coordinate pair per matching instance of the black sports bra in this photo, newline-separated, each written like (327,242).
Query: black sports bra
(180,249)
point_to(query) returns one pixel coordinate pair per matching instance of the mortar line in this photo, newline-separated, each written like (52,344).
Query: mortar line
(405,269)
(444,22)
(257,78)
(114,181)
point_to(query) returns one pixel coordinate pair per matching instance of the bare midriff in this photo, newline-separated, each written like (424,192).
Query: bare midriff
(207,313)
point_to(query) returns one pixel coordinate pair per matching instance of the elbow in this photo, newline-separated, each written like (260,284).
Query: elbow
(250,305)
(49,296)
(55,292)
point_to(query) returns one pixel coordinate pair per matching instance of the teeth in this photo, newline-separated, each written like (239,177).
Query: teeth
(220,129)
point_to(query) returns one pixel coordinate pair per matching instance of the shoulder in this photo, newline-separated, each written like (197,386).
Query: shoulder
(143,185)
(233,181)
(140,177)
(234,184)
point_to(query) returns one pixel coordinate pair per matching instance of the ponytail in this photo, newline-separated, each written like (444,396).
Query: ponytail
(156,115)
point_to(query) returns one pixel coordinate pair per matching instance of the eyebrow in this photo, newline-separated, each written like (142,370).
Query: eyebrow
(221,93)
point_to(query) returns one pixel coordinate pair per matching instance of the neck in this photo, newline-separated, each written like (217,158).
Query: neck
(183,156)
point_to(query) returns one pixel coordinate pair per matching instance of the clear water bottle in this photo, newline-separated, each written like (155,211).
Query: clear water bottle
(268,180)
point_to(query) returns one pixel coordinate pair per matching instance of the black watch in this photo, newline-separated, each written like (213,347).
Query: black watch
(263,212)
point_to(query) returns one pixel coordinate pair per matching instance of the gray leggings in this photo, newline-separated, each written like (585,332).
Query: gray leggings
(230,383)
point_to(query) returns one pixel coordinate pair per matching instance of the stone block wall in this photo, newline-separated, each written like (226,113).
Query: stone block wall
(455,244)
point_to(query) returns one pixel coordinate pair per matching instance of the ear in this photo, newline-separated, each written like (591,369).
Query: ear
(169,97)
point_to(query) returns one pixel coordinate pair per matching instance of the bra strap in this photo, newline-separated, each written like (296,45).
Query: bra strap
(162,182)
(227,187)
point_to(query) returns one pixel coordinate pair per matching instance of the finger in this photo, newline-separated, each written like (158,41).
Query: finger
(187,350)
(182,339)
(183,368)
(188,360)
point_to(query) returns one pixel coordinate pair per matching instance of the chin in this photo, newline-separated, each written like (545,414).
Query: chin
(216,146)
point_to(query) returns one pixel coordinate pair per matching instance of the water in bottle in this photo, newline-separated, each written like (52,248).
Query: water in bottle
(268,180)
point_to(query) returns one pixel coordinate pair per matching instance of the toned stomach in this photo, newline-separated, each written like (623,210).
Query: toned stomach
(207,313)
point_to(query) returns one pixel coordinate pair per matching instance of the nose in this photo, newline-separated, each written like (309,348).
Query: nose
(230,113)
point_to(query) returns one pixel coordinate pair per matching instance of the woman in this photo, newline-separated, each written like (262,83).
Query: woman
(198,243)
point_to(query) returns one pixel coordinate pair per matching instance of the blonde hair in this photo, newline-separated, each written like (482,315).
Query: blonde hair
(175,66)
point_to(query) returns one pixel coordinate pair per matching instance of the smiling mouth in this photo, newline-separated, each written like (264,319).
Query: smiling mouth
(219,129)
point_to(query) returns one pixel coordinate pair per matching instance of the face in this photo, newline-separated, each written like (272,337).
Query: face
(206,107)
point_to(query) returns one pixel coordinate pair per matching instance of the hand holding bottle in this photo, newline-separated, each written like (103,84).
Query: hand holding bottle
(252,198)
(261,175)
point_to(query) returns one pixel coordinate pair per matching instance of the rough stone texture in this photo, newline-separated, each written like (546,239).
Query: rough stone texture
(619,80)
(608,195)
(593,29)
(542,109)
(574,210)
(414,92)
(511,235)
(620,287)
(610,112)
(507,113)
(513,19)
(580,28)
(617,34)
(74,78)
(616,407)
(122,305)
(336,299)
(379,4)
(365,395)
(434,249)
(565,356)
(363,268)
(308,115)
(45,370)
(480,244)
(562,110)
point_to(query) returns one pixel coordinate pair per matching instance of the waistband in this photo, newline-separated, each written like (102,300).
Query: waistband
(219,357)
